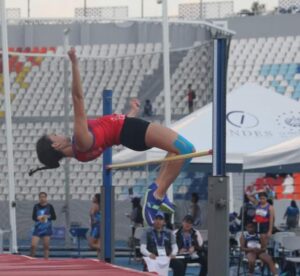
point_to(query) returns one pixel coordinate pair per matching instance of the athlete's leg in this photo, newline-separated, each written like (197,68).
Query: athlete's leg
(167,139)
(34,243)
(94,243)
(46,242)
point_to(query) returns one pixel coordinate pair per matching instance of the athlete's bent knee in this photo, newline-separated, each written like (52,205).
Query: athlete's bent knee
(183,145)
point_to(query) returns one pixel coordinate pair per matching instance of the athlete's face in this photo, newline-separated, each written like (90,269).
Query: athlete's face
(60,139)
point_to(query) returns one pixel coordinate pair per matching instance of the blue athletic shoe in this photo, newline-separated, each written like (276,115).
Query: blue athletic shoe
(166,205)
(151,207)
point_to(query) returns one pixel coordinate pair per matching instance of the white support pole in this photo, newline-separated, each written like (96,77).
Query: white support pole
(66,126)
(166,62)
(142,8)
(9,136)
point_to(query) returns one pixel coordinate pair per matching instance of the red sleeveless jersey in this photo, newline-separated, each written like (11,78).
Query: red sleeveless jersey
(106,132)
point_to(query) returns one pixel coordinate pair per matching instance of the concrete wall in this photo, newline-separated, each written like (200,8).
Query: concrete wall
(181,35)
(265,26)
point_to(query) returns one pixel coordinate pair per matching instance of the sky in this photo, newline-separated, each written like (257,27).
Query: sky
(65,8)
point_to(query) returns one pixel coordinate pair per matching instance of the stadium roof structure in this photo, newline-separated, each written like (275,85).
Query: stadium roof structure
(256,118)
(215,28)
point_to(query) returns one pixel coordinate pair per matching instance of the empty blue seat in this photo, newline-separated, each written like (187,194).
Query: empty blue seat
(292,68)
(293,83)
(296,95)
(275,83)
(289,76)
(265,69)
(280,89)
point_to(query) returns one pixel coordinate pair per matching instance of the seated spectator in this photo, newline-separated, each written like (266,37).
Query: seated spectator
(148,108)
(255,247)
(190,244)
(157,242)
(234,223)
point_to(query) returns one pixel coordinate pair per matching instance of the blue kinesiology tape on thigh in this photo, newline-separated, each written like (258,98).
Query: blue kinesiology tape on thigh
(184,147)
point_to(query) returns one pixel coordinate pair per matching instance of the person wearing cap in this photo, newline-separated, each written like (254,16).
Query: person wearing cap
(157,241)
(190,245)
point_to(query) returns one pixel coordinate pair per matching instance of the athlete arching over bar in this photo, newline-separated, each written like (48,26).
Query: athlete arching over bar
(92,137)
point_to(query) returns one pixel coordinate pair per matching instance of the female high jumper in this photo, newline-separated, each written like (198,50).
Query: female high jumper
(92,137)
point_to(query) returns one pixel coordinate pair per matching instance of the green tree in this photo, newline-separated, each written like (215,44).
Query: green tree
(258,8)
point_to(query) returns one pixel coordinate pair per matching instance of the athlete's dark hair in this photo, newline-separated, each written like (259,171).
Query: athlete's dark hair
(43,193)
(47,155)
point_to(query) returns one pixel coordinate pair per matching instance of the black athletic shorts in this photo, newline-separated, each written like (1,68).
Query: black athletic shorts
(262,228)
(133,134)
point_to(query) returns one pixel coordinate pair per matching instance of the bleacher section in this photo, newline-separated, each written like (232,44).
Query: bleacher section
(196,69)
(270,62)
(37,101)
(44,85)
(38,95)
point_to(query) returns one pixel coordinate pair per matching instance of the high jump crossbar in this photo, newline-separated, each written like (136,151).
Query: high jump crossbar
(156,161)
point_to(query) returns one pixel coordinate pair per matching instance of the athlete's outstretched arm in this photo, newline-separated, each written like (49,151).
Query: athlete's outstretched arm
(134,108)
(83,137)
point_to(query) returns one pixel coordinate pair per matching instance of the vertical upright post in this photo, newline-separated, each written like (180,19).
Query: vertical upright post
(28,8)
(142,8)
(84,8)
(200,11)
(66,126)
(166,62)
(219,107)
(218,192)
(9,136)
(107,195)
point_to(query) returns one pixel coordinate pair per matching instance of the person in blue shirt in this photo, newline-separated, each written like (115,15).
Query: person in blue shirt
(292,215)
(43,214)
(95,217)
